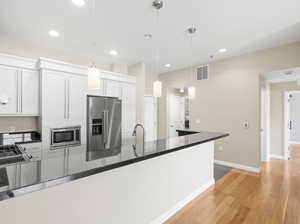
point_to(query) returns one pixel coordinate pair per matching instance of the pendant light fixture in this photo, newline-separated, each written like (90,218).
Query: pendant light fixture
(157,85)
(93,71)
(191,90)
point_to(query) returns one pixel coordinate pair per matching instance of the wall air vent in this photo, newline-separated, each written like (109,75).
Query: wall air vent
(202,73)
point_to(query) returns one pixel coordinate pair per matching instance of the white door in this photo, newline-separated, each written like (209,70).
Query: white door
(30,92)
(128,109)
(8,90)
(295,117)
(176,114)
(112,88)
(287,125)
(150,118)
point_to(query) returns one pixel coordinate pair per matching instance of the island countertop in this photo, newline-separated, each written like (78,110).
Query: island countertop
(74,163)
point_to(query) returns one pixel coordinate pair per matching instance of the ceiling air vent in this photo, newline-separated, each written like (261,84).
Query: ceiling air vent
(202,73)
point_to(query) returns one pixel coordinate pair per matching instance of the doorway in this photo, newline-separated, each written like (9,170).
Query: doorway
(176,114)
(291,121)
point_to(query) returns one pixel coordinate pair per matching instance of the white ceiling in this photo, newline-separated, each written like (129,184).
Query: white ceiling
(237,25)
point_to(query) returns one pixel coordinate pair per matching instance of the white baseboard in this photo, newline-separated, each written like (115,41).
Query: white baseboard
(164,217)
(238,166)
(277,156)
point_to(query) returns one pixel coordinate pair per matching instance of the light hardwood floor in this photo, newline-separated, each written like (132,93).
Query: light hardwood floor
(241,197)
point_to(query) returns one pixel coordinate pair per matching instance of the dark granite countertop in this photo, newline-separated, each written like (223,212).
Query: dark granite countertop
(64,165)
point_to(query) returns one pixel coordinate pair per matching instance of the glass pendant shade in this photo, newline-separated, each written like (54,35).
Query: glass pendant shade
(157,88)
(93,77)
(191,92)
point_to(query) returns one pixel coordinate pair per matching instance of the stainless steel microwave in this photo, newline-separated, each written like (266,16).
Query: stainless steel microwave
(68,136)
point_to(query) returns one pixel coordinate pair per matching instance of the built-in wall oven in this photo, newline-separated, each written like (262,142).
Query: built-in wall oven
(68,136)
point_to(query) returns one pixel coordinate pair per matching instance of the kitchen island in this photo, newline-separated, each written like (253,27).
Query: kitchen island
(142,184)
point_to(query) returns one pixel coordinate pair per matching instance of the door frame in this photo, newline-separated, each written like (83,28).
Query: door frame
(286,114)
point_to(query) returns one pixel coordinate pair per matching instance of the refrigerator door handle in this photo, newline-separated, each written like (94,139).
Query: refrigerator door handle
(104,128)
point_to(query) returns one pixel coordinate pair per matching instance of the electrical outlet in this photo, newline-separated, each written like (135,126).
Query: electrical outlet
(221,148)
(197,121)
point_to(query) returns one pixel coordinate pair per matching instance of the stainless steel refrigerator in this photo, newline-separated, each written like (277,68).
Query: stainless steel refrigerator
(104,130)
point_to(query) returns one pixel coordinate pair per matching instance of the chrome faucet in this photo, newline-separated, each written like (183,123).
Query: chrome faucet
(134,133)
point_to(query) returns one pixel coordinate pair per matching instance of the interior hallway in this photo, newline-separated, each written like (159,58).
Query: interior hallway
(273,196)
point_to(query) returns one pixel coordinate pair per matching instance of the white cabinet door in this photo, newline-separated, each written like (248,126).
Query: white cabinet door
(112,88)
(8,90)
(76,159)
(54,100)
(30,92)
(30,173)
(77,100)
(128,110)
(55,165)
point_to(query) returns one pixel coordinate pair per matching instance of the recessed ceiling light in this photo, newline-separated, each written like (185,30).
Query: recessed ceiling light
(79,2)
(222,50)
(53,33)
(167,65)
(113,52)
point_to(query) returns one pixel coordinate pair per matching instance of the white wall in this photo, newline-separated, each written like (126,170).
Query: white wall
(295,117)
(134,194)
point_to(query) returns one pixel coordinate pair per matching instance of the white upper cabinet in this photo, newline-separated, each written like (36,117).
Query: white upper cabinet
(128,109)
(19,91)
(30,92)
(112,88)
(54,101)
(77,91)
(8,91)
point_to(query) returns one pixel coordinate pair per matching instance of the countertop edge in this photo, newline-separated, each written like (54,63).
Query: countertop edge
(36,187)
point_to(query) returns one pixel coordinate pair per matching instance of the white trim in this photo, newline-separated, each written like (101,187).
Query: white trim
(168,214)
(294,143)
(277,157)
(54,65)
(16,61)
(117,76)
(238,166)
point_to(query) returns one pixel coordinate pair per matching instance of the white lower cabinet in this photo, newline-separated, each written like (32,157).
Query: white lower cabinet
(30,173)
(53,165)
(76,159)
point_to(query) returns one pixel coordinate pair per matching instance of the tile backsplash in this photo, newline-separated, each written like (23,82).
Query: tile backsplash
(12,124)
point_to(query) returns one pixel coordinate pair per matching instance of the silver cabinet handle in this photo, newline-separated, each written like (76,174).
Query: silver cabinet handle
(65,103)
(68,81)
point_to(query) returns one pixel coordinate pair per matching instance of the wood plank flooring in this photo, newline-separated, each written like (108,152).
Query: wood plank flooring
(271,197)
